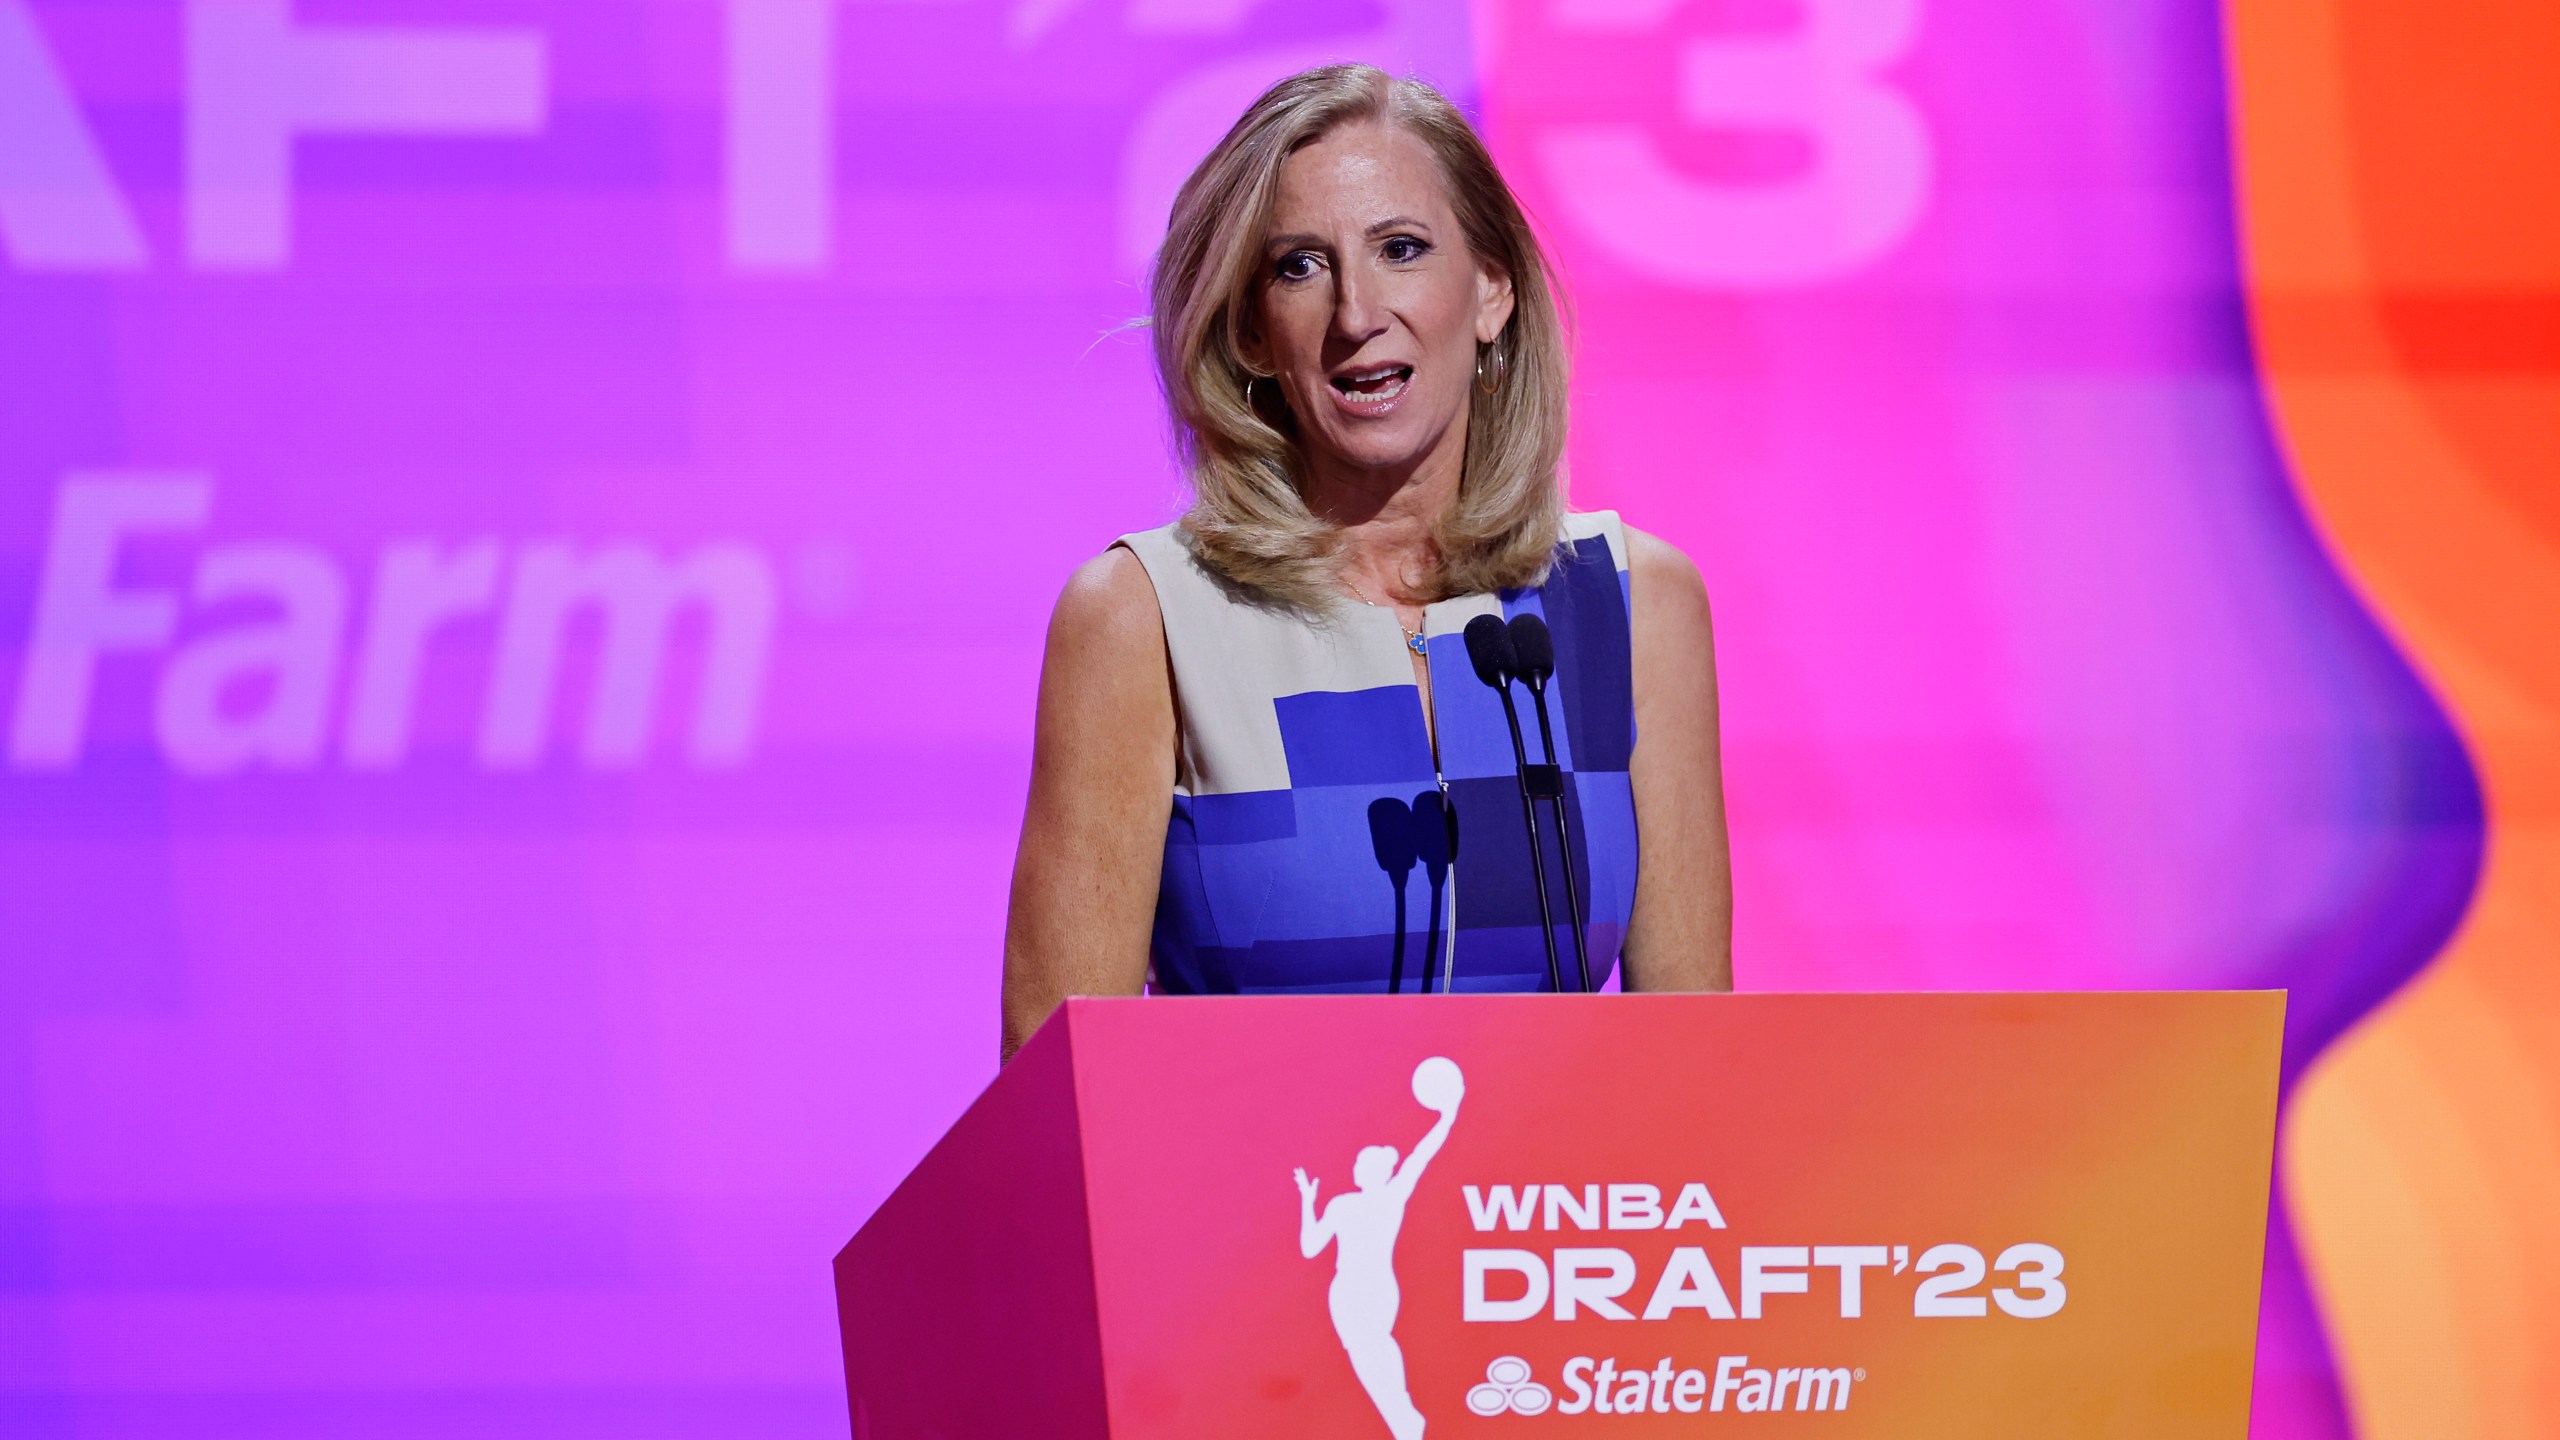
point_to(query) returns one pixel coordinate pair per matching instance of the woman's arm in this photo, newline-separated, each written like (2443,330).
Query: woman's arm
(1092,851)
(1681,937)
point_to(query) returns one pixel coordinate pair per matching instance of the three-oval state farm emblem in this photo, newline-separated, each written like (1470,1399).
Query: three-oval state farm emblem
(1507,1389)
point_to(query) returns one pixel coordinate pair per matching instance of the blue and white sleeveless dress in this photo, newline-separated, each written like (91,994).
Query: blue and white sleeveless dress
(1308,852)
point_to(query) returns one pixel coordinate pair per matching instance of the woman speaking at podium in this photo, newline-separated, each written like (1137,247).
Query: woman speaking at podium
(1273,755)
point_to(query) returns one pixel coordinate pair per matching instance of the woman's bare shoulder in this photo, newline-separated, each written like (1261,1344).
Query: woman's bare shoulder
(1658,571)
(1107,634)
(1108,605)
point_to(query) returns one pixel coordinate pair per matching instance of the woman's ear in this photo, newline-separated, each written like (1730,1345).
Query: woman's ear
(1248,345)
(1494,302)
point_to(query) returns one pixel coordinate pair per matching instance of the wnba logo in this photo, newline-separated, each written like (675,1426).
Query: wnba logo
(1361,1225)
(1507,1389)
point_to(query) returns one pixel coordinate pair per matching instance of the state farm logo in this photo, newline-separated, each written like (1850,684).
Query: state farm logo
(1508,1390)
(1601,1387)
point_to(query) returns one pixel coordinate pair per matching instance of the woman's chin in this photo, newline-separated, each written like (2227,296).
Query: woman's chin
(1384,447)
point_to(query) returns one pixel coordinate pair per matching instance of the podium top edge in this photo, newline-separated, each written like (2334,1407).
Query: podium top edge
(2265,1006)
(1687,995)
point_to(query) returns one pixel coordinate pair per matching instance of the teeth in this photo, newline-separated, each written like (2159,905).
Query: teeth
(1388,382)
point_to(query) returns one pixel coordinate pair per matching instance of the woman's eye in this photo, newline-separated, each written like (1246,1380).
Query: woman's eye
(1296,265)
(1405,247)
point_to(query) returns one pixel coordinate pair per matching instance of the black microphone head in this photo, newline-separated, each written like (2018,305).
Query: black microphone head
(1533,648)
(1489,646)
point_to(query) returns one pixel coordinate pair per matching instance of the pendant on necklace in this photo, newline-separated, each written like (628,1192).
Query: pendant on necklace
(1413,642)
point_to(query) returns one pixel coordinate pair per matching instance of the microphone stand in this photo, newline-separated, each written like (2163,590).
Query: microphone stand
(1489,646)
(1537,664)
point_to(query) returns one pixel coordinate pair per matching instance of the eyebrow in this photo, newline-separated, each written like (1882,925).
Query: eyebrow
(1302,240)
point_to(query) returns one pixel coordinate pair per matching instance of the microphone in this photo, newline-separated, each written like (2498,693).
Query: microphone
(1489,648)
(1533,652)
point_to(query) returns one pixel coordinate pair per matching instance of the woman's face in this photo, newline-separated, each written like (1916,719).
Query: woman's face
(1371,305)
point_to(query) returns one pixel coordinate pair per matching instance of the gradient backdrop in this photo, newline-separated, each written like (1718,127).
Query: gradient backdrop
(525,528)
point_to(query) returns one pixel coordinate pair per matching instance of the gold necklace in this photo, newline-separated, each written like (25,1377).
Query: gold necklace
(1412,636)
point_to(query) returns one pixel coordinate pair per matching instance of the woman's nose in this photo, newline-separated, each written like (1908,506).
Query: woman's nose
(1357,313)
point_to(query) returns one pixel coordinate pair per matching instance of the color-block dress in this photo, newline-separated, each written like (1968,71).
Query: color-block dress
(1308,850)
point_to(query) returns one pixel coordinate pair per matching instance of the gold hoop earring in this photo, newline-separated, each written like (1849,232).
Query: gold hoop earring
(1501,369)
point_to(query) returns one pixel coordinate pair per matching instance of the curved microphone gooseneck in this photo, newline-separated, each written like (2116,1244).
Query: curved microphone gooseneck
(1533,655)
(1489,647)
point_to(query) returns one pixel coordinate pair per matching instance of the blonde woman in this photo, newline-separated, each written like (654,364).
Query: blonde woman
(1263,761)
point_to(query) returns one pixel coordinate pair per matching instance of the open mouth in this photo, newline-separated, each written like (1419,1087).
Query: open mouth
(1376,387)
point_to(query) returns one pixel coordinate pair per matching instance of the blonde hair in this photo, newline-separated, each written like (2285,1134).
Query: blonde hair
(1249,521)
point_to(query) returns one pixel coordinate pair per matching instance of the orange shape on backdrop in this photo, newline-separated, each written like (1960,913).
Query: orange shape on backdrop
(2401,230)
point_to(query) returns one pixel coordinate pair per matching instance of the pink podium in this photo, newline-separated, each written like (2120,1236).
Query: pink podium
(1847,1215)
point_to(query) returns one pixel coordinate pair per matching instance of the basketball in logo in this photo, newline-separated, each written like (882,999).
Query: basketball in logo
(1438,1084)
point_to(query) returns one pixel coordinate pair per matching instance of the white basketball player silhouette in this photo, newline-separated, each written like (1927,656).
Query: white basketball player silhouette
(1362,1225)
